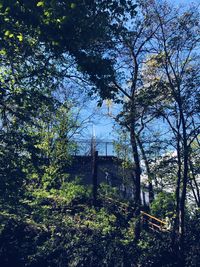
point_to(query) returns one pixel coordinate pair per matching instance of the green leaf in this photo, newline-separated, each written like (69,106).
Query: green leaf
(20,37)
(47,13)
(7,9)
(2,52)
(7,33)
(73,5)
(40,4)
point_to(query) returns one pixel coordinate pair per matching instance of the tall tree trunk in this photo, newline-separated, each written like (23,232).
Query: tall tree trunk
(185,182)
(94,176)
(149,173)
(176,231)
(137,182)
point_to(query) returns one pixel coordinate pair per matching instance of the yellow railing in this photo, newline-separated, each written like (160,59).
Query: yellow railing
(154,223)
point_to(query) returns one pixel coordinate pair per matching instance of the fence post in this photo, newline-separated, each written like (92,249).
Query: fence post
(106,149)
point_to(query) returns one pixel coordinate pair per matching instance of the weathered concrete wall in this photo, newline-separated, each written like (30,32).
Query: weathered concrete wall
(109,169)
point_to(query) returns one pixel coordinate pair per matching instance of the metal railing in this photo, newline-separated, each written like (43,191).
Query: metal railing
(104,148)
(154,223)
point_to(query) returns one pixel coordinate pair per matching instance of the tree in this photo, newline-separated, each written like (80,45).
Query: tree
(21,97)
(131,44)
(79,28)
(177,83)
(165,43)
(54,146)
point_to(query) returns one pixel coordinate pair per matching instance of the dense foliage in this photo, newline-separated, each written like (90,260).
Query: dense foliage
(65,230)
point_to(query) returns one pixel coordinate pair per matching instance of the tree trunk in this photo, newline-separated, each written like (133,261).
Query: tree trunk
(185,182)
(137,183)
(149,174)
(175,233)
(94,176)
